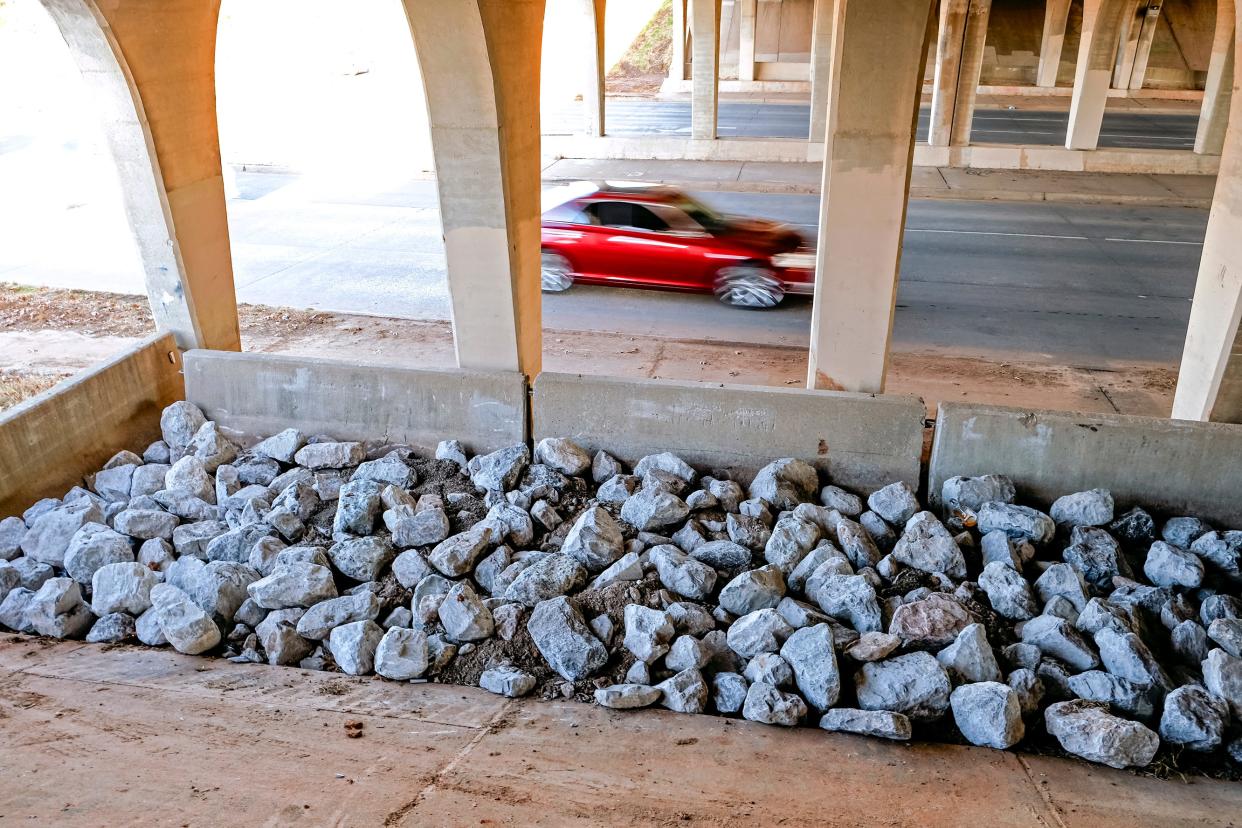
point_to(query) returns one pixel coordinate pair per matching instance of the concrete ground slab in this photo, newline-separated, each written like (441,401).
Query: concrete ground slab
(90,739)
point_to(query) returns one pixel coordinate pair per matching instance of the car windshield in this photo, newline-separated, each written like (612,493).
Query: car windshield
(709,219)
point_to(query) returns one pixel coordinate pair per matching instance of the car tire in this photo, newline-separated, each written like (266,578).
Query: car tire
(748,286)
(556,274)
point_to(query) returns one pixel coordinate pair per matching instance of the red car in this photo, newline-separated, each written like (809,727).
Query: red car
(645,235)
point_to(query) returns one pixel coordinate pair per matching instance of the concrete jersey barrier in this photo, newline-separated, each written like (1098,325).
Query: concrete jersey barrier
(49,442)
(861,441)
(1172,466)
(261,394)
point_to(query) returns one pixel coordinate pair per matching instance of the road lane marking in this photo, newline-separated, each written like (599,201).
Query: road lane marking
(1156,241)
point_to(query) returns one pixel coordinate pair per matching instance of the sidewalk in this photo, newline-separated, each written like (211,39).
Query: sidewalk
(126,735)
(927,182)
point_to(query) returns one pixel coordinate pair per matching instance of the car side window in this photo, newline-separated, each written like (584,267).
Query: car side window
(569,213)
(627,215)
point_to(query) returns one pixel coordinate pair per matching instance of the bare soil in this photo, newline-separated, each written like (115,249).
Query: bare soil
(1002,379)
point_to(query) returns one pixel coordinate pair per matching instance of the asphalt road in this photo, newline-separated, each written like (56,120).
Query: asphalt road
(1053,282)
(990,126)
(1060,283)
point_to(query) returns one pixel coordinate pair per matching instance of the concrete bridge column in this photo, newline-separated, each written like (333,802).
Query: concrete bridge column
(1209,384)
(960,40)
(1056,16)
(1214,115)
(821,63)
(1142,52)
(480,61)
(1097,51)
(1127,44)
(879,48)
(746,39)
(704,67)
(150,69)
(677,68)
(593,98)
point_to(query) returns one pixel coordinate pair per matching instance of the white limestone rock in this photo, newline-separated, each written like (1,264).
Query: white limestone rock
(402,654)
(914,684)
(1088,730)
(507,681)
(881,723)
(765,703)
(564,640)
(353,646)
(988,714)
(184,624)
(122,587)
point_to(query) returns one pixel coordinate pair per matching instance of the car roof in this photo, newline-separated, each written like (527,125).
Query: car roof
(554,197)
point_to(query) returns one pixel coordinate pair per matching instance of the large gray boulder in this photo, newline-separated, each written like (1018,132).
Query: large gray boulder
(548,577)
(970,659)
(1008,592)
(914,684)
(988,714)
(896,503)
(278,633)
(402,654)
(648,632)
(1088,730)
(786,483)
(122,587)
(754,589)
(564,639)
(293,585)
(1194,718)
(765,703)
(927,545)
(1222,675)
(57,610)
(94,546)
(651,509)
(464,616)
(457,555)
(47,539)
(594,540)
(682,574)
(812,657)
(321,619)
(184,624)
(353,646)
(1090,508)
(362,559)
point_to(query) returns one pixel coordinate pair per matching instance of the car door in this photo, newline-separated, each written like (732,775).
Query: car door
(633,244)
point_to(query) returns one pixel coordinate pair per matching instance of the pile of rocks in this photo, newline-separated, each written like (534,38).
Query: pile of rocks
(785,602)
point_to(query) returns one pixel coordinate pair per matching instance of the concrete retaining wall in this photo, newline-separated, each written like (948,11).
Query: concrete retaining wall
(1173,466)
(49,442)
(861,441)
(260,394)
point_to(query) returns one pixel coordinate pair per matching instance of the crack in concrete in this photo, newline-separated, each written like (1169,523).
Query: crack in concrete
(1053,810)
(396,817)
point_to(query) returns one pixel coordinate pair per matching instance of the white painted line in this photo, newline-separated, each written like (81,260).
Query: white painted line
(993,233)
(1157,241)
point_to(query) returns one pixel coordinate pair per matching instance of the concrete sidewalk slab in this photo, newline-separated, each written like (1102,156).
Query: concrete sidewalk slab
(91,739)
(1169,190)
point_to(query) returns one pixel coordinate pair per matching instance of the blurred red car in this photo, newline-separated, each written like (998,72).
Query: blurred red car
(656,236)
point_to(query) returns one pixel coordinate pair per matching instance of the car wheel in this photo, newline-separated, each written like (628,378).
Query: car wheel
(748,286)
(556,274)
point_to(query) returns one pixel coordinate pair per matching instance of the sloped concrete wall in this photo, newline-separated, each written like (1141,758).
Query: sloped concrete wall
(261,394)
(1174,466)
(50,441)
(861,441)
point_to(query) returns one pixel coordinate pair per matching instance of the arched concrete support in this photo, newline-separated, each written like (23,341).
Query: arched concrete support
(961,37)
(1056,16)
(821,65)
(1097,51)
(704,67)
(747,10)
(1214,114)
(150,68)
(480,61)
(879,48)
(592,12)
(1209,384)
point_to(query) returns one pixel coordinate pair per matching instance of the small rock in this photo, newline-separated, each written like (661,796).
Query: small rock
(554,575)
(682,574)
(321,619)
(1222,675)
(882,723)
(852,599)
(112,628)
(463,615)
(1056,637)
(330,455)
(896,503)
(927,545)
(785,483)
(1090,508)
(647,632)
(762,631)
(1030,690)
(563,455)
(1018,522)
(507,681)
(278,634)
(764,703)
(873,646)
(970,493)
(969,659)
(500,470)
(1008,592)
(1227,632)
(1062,579)
(934,621)
(812,657)
(187,627)
(1119,693)
(684,692)
(626,696)
(594,540)
(456,556)
(362,559)
(753,590)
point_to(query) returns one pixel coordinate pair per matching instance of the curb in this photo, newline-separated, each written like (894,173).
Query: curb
(792,188)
